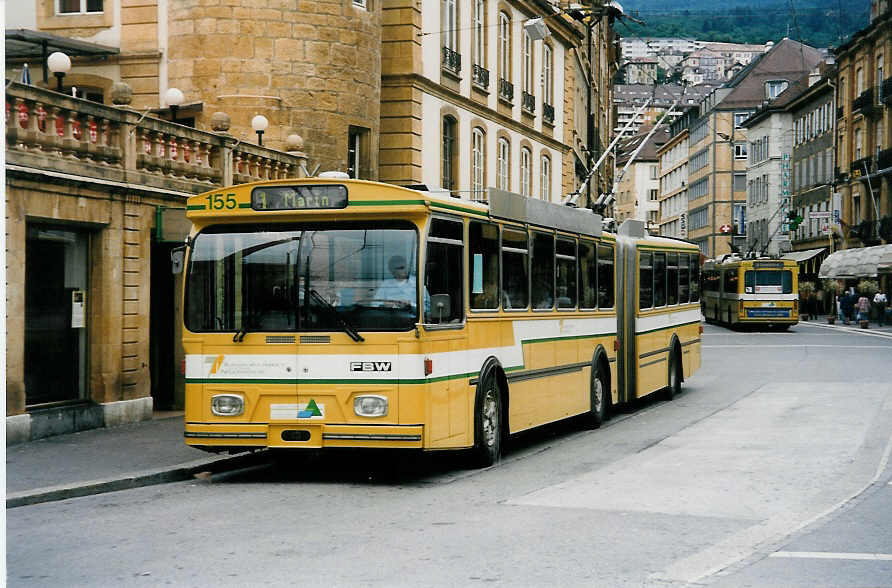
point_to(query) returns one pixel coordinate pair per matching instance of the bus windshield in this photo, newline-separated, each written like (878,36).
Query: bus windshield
(320,277)
(768,281)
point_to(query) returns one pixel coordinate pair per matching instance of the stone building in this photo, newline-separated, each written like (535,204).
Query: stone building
(863,133)
(673,156)
(96,191)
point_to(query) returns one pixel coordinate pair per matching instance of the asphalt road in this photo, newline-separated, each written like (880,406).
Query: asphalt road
(771,469)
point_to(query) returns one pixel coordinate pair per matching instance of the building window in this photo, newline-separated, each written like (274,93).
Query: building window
(699,160)
(502,164)
(545,188)
(698,189)
(526,171)
(547,81)
(449,25)
(504,47)
(360,3)
(739,117)
(480,33)
(699,218)
(775,87)
(654,172)
(358,153)
(448,179)
(859,80)
(478,158)
(740,151)
(78,6)
(653,195)
(858,144)
(527,69)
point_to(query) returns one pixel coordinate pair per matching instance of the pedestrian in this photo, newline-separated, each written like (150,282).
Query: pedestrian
(879,302)
(847,304)
(819,299)
(863,308)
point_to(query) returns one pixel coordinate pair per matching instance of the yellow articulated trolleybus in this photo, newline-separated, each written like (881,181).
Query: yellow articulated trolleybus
(324,312)
(757,292)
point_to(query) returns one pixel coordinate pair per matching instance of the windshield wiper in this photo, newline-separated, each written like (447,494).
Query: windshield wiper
(348,328)
(238,337)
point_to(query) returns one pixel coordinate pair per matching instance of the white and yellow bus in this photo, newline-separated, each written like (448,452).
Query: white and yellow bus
(330,312)
(755,292)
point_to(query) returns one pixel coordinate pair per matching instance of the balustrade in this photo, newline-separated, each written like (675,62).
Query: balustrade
(48,130)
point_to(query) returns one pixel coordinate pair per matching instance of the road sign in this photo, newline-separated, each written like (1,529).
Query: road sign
(819,214)
(725,228)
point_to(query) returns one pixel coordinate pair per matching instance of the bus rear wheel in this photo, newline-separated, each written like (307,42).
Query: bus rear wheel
(598,389)
(675,375)
(487,423)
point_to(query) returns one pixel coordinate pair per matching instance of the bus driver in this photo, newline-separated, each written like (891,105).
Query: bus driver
(400,287)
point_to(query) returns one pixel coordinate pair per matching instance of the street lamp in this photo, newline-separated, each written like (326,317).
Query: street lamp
(174,97)
(259,124)
(59,64)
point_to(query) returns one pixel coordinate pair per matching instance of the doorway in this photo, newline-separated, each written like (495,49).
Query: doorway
(56,296)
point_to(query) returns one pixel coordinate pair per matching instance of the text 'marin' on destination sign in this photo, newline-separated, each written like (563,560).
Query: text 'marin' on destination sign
(299,197)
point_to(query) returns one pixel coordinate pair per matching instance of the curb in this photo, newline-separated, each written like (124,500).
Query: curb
(177,473)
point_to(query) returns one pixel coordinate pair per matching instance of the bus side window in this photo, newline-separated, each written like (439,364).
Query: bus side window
(483,265)
(605,276)
(542,271)
(443,273)
(684,279)
(645,281)
(695,277)
(515,265)
(730,281)
(659,279)
(565,273)
(588,276)
(672,278)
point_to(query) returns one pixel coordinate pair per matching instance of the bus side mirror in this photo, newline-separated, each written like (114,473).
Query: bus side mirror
(440,307)
(177,256)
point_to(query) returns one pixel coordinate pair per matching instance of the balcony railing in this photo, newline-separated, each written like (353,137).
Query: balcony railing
(862,167)
(506,90)
(547,113)
(886,91)
(528,102)
(51,131)
(451,60)
(865,102)
(480,77)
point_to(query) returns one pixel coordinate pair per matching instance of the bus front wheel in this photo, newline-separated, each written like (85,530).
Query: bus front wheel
(488,423)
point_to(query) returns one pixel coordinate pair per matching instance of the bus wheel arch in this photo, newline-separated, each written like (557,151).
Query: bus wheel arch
(675,372)
(490,403)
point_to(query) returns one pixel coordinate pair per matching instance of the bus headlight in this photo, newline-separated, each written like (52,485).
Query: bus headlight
(370,406)
(227,405)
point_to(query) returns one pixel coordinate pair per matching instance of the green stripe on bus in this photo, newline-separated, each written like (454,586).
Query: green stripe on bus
(386,202)
(196,207)
(245,205)
(460,209)
(567,338)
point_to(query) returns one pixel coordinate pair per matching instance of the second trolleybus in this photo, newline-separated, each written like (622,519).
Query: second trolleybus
(323,313)
(751,292)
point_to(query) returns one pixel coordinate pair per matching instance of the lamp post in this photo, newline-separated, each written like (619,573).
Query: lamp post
(259,124)
(173,97)
(59,64)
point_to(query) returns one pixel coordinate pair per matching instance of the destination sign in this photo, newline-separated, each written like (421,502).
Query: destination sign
(298,197)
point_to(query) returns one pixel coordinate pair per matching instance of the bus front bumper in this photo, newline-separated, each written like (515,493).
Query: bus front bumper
(303,435)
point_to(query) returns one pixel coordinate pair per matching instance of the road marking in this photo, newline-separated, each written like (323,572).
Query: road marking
(849,329)
(831,555)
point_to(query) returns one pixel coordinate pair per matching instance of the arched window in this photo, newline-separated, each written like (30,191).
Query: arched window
(502,162)
(478,161)
(545,179)
(448,178)
(526,171)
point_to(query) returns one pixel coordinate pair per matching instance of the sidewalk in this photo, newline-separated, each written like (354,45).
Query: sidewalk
(105,460)
(874,327)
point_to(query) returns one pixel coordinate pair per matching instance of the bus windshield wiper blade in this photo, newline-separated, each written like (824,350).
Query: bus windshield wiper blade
(238,337)
(354,334)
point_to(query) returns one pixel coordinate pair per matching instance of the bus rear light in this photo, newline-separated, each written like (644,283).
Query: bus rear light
(795,306)
(227,405)
(370,406)
(183,367)
(428,366)
(701,329)
(616,345)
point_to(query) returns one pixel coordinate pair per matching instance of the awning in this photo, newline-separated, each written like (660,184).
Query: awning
(27,44)
(861,262)
(806,258)
(885,264)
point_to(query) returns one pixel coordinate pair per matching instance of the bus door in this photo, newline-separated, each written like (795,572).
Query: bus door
(445,335)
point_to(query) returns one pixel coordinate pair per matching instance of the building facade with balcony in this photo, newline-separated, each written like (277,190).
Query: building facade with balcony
(863,133)
(471,99)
